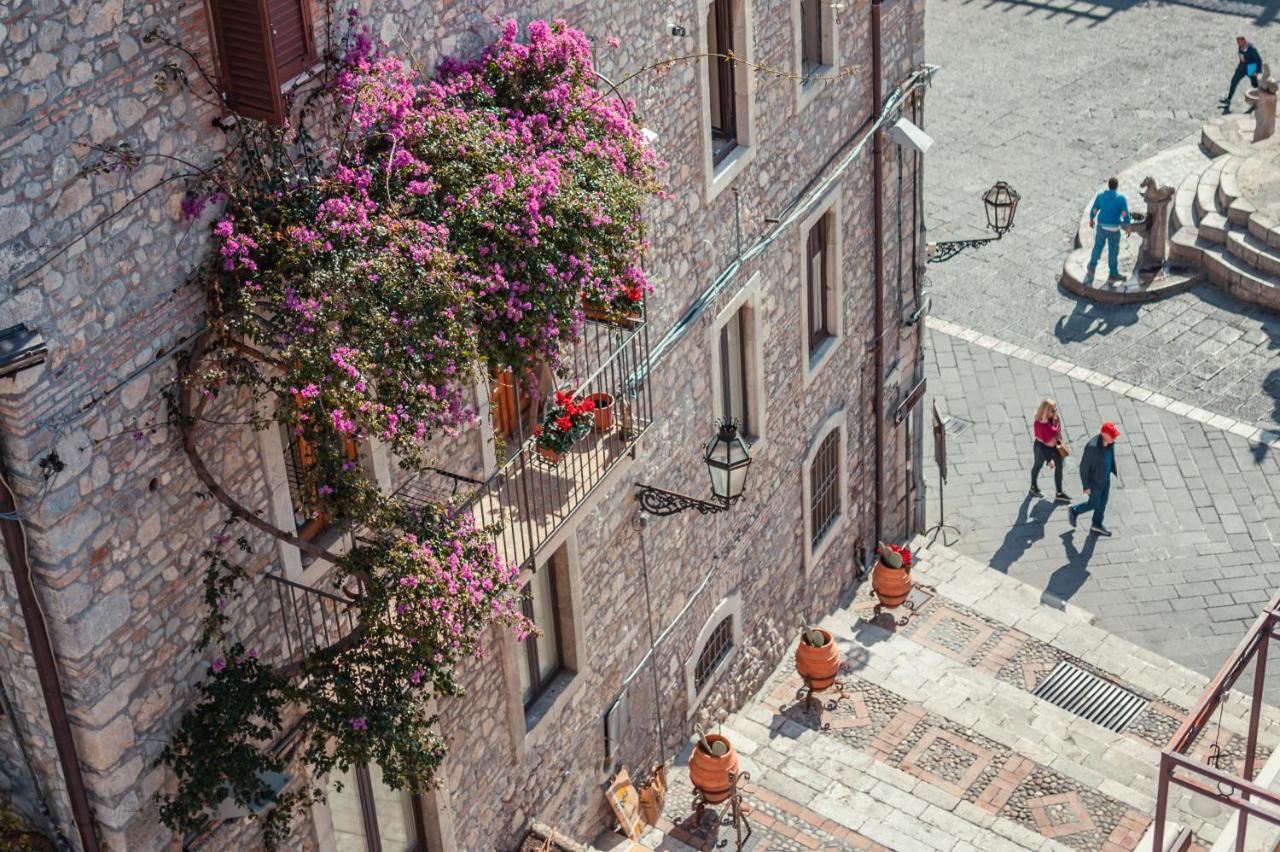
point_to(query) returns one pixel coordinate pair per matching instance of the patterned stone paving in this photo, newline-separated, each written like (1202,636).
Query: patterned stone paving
(957,632)
(960,762)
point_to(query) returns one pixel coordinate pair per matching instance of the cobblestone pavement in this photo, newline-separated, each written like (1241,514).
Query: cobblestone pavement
(1054,96)
(1196,516)
(932,738)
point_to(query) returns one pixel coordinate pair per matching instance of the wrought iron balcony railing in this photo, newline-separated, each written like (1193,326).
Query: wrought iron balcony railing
(529,497)
(312,619)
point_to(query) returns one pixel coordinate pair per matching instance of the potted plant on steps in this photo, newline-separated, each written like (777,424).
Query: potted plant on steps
(817,658)
(891,578)
(712,762)
(565,423)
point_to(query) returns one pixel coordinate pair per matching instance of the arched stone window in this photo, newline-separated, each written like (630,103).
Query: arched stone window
(713,650)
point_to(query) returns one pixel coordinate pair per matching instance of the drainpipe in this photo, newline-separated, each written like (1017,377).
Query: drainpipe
(877,203)
(15,547)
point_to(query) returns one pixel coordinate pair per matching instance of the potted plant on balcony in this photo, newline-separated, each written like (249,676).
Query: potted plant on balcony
(603,411)
(565,423)
(624,309)
(891,578)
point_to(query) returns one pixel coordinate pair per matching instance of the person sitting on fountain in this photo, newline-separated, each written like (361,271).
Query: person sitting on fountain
(1110,211)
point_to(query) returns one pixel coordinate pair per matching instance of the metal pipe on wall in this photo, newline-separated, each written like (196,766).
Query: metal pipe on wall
(877,203)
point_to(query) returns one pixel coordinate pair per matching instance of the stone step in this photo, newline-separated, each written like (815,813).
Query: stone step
(1227,134)
(1240,211)
(1265,228)
(1214,228)
(1207,188)
(1228,181)
(1186,247)
(1241,279)
(1254,252)
(1184,204)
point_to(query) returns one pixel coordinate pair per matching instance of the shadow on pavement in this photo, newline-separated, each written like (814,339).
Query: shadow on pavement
(1090,319)
(1067,580)
(1098,12)
(1027,529)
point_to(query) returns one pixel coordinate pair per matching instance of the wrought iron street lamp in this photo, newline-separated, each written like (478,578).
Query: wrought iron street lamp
(728,461)
(1001,203)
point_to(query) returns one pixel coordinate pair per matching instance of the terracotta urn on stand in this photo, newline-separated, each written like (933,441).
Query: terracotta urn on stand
(891,577)
(817,658)
(712,762)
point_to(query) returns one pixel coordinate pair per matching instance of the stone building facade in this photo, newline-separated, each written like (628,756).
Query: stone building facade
(115,534)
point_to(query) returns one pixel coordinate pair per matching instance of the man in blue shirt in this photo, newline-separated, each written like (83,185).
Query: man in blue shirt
(1110,212)
(1250,65)
(1097,466)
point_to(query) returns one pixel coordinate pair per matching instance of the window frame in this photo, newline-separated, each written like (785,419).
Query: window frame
(368,809)
(721,167)
(538,683)
(722,84)
(808,82)
(755,430)
(277,74)
(812,357)
(728,607)
(815,550)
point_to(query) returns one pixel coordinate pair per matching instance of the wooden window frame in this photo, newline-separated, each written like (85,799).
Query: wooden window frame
(744,365)
(369,813)
(819,294)
(811,54)
(538,685)
(724,138)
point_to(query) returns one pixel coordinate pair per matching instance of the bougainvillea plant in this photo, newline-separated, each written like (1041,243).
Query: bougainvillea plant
(401,236)
(566,422)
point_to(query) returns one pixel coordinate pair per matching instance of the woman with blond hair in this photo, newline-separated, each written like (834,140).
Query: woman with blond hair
(1048,434)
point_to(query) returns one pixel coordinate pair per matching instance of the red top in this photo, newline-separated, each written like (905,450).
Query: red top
(1047,432)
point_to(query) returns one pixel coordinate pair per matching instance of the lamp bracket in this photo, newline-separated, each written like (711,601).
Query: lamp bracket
(659,501)
(939,252)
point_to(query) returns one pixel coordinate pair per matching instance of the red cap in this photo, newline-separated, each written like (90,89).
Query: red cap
(1110,429)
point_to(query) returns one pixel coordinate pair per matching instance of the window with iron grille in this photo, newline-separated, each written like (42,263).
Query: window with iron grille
(824,479)
(734,372)
(722,78)
(718,646)
(811,58)
(818,287)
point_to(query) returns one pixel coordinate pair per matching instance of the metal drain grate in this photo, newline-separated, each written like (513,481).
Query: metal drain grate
(1090,697)
(955,425)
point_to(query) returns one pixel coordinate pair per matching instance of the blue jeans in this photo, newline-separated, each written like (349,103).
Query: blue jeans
(1097,503)
(1112,241)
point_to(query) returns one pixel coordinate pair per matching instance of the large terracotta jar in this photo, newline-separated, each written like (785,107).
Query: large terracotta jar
(818,664)
(891,577)
(710,772)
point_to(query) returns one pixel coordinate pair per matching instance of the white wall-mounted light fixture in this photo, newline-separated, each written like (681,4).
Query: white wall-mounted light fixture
(908,135)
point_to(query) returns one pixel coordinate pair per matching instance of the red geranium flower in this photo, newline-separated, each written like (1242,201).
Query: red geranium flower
(564,423)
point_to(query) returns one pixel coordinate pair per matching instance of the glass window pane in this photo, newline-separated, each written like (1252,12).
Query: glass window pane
(713,70)
(734,387)
(544,617)
(344,807)
(395,814)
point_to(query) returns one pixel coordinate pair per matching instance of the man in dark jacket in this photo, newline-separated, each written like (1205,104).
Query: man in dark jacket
(1097,466)
(1250,66)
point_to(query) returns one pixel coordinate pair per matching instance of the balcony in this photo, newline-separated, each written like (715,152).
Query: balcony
(312,619)
(527,496)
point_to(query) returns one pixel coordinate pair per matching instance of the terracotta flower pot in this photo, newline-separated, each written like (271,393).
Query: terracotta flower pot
(603,411)
(552,457)
(892,585)
(818,665)
(710,772)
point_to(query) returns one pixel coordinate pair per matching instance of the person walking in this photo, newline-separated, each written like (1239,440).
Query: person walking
(1110,212)
(1097,466)
(1048,436)
(1250,65)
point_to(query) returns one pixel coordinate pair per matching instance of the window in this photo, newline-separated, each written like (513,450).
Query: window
(368,816)
(543,655)
(733,371)
(310,524)
(713,650)
(825,482)
(722,80)
(261,45)
(713,653)
(810,38)
(824,473)
(818,284)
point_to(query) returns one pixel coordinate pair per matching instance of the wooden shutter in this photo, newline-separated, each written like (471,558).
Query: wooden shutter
(261,45)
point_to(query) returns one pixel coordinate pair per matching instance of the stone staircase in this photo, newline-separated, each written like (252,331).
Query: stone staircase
(936,739)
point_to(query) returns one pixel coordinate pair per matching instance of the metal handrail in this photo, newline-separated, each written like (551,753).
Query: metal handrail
(313,618)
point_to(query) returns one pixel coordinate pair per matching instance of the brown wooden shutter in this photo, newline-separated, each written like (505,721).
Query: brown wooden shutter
(261,45)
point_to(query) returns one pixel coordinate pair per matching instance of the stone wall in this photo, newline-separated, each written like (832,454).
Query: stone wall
(116,535)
